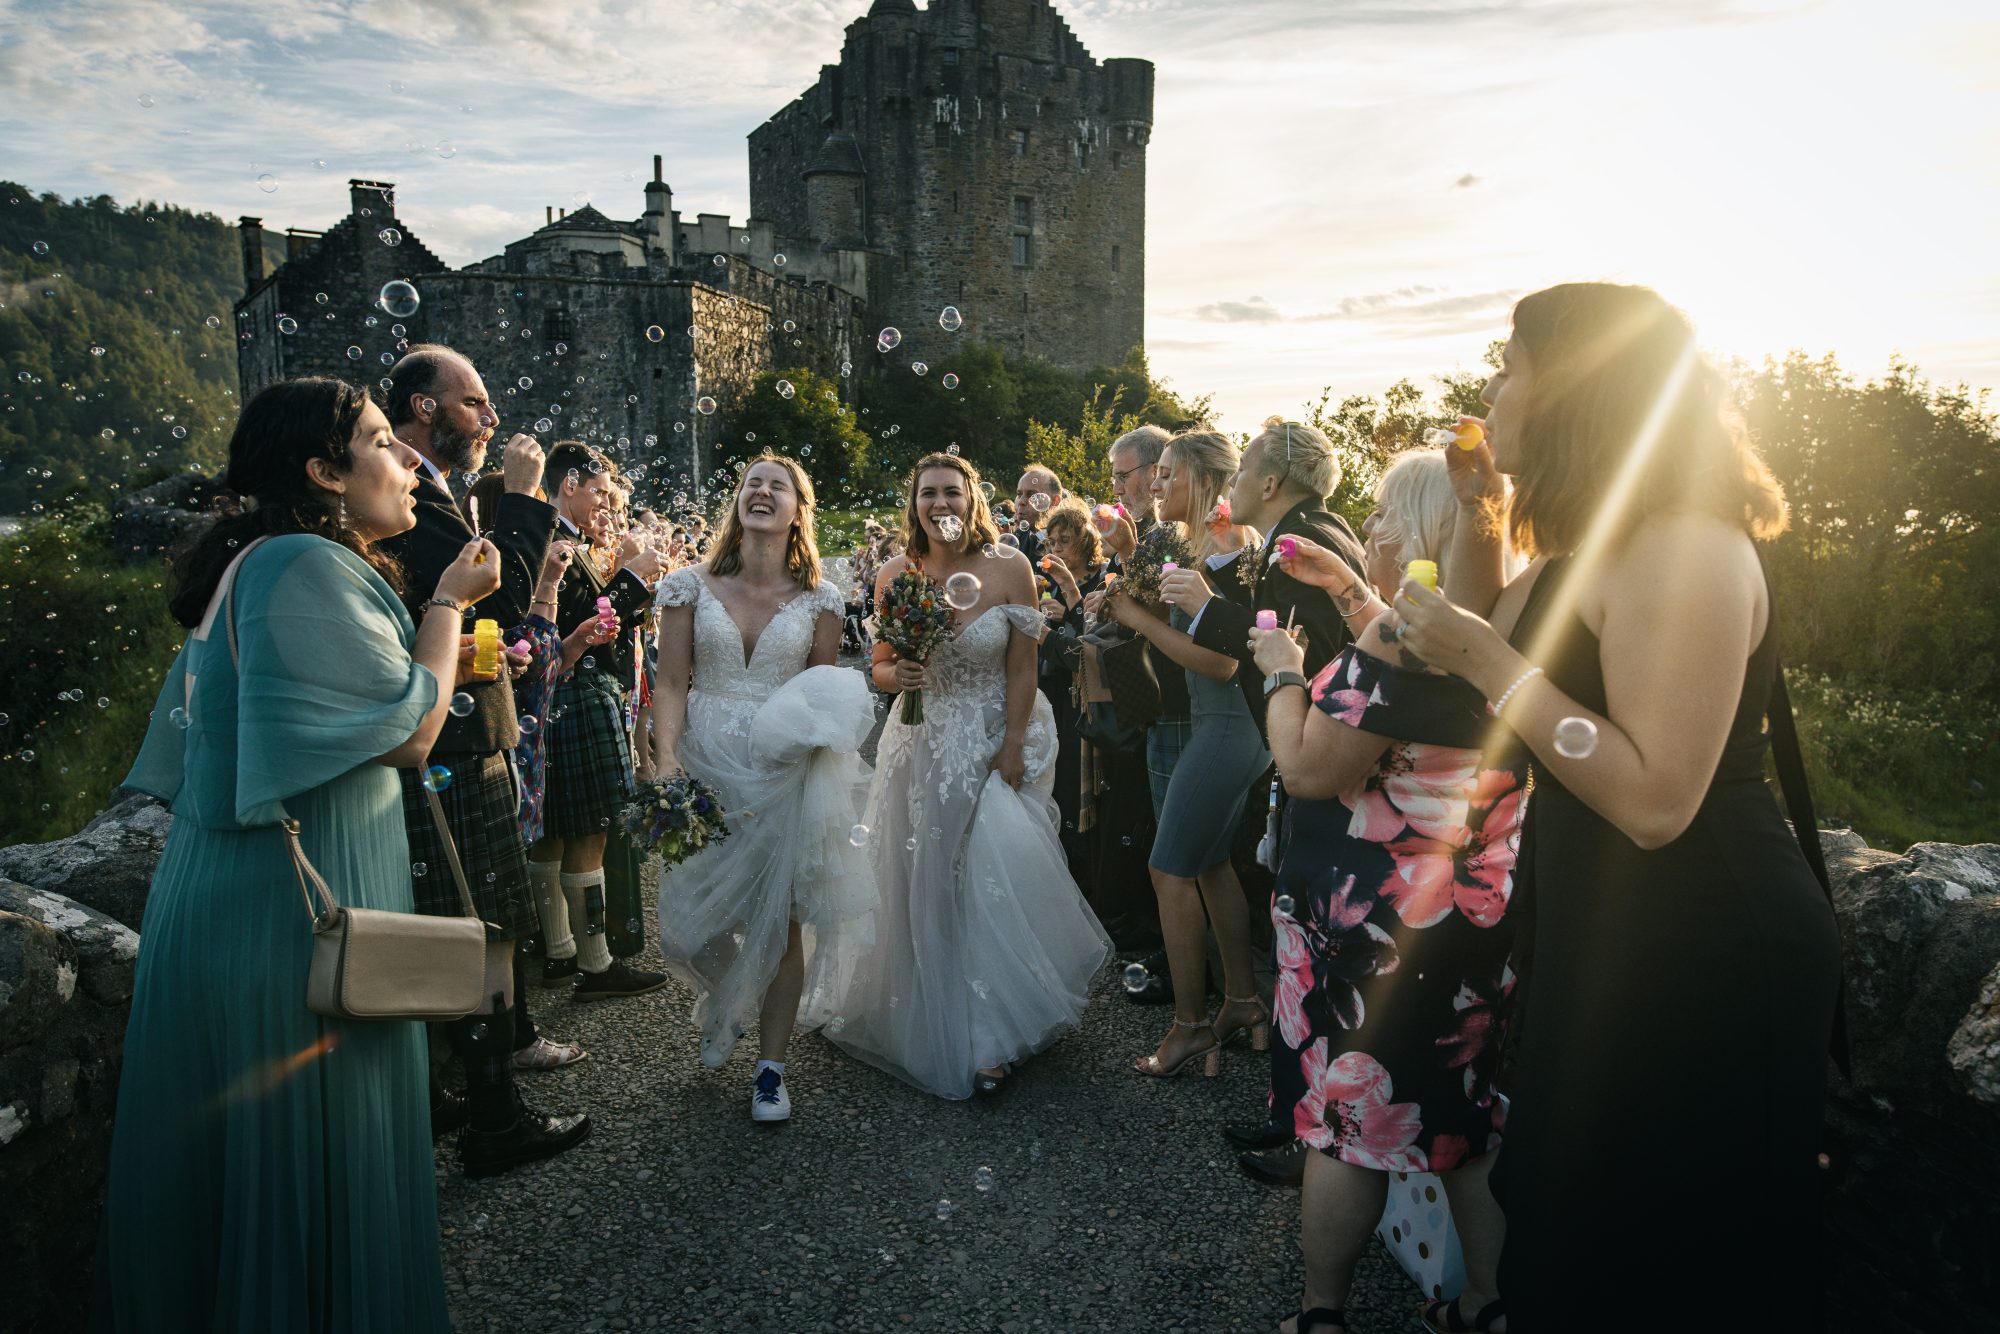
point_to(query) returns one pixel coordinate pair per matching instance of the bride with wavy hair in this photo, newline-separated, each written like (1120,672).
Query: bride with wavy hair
(985,947)
(750,701)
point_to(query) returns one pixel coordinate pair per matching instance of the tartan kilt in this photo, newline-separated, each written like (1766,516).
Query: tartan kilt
(590,758)
(482,808)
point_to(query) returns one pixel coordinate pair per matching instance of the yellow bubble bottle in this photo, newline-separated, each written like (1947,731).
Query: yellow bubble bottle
(1423,572)
(486,648)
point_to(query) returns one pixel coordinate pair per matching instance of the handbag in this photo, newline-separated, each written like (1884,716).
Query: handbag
(1105,717)
(373,963)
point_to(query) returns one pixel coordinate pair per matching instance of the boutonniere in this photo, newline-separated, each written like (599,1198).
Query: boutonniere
(1246,567)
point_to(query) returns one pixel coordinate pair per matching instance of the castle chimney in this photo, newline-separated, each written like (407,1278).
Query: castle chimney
(660,211)
(548,214)
(379,197)
(252,232)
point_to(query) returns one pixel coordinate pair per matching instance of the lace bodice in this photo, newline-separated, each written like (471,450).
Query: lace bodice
(965,701)
(726,689)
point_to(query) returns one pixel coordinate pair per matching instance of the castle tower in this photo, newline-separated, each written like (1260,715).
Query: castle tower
(995,166)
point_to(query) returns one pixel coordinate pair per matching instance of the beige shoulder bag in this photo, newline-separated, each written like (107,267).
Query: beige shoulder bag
(371,963)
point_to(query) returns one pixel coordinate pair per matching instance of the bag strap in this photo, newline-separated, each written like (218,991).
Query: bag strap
(222,603)
(1791,766)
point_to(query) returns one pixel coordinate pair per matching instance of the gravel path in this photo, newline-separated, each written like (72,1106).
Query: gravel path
(1111,1202)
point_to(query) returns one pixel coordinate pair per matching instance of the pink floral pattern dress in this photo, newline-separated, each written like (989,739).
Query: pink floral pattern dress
(1392,932)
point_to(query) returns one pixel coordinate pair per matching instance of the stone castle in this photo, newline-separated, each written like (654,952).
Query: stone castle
(972,154)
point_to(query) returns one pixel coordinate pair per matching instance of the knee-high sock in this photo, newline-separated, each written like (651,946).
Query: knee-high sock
(545,880)
(585,892)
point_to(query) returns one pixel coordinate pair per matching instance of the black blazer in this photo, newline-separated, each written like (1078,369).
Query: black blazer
(521,535)
(1226,621)
(577,603)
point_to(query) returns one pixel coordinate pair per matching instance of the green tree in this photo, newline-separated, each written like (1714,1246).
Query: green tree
(811,424)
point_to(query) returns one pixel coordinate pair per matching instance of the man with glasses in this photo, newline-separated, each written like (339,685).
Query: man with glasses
(1134,455)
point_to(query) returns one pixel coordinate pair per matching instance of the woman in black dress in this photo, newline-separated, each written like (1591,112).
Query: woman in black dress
(1680,963)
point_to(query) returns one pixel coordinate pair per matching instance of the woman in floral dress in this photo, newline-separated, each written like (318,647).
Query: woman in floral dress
(1390,918)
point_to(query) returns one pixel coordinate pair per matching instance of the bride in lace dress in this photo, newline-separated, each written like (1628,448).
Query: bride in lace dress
(750,702)
(985,948)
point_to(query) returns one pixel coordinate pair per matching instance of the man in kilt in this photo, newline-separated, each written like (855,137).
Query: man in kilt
(439,407)
(590,752)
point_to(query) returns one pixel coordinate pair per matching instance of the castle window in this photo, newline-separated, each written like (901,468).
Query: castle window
(951,55)
(1117,160)
(1114,259)
(941,134)
(1024,212)
(1024,251)
(1020,138)
(555,325)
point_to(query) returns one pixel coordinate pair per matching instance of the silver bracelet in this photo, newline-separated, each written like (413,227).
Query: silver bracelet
(1497,705)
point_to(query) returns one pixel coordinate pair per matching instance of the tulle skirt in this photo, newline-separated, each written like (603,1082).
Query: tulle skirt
(792,784)
(985,948)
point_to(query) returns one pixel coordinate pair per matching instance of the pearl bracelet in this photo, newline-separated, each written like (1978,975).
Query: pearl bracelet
(1497,705)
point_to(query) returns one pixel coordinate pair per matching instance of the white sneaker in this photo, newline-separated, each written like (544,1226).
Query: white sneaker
(768,1099)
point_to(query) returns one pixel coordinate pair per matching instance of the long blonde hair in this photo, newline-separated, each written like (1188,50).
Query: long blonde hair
(1210,460)
(801,546)
(1415,506)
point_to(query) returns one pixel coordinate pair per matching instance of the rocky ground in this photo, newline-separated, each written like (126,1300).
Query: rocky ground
(1108,1201)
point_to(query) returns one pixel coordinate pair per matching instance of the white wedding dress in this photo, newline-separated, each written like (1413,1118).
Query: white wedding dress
(985,948)
(779,742)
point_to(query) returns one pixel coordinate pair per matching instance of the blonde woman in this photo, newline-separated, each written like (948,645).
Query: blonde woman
(750,702)
(1212,775)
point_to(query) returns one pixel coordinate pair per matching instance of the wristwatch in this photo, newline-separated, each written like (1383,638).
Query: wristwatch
(1277,681)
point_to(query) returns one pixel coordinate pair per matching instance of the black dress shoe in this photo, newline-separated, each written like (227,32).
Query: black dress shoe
(447,1115)
(1256,1138)
(620,979)
(485,1153)
(1282,1166)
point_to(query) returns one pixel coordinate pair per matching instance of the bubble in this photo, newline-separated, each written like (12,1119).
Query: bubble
(564,347)
(321,298)
(791,326)
(103,701)
(945,1209)
(705,406)
(4,719)
(396,329)
(389,236)
(1284,905)
(479,1222)
(950,381)
(268,183)
(722,261)
(1136,977)
(962,590)
(479,1032)
(179,717)
(858,836)
(319,164)
(419,870)
(461,704)
(982,1180)
(28,757)
(1039,500)
(399,299)
(145,99)
(353,353)
(950,527)
(785,389)
(213,321)
(437,778)
(287,325)
(950,320)
(654,333)
(1576,738)
(446,149)
(888,340)
(180,433)
(846,369)
(778,259)
(529,724)
(1010,542)
(543,426)
(910,843)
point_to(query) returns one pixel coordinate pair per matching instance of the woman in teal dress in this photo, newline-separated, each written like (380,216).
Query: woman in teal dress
(271,1169)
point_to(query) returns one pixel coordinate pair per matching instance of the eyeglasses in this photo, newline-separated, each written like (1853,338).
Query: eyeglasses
(1118,478)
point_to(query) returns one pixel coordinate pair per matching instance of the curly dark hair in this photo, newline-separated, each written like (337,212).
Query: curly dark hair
(285,425)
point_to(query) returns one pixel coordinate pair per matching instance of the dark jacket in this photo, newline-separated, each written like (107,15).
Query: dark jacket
(520,533)
(1226,622)
(577,602)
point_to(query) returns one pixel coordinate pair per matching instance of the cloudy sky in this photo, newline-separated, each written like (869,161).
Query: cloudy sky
(1342,192)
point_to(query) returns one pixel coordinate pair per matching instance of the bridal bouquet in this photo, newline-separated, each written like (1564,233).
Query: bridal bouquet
(1161,543)
(676,816)
(913,619)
